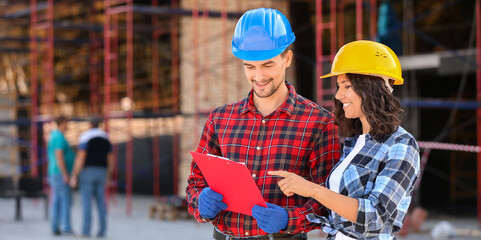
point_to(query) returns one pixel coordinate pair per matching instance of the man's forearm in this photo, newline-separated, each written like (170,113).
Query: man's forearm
(79,162)
(61,162)
(110,164)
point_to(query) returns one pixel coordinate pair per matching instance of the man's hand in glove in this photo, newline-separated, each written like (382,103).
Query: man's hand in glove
(271,219)
(210,203)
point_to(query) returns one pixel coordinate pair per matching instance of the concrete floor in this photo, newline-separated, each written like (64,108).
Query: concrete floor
(139,226)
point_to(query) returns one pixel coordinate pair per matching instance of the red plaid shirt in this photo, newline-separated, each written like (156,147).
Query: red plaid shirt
(298,137)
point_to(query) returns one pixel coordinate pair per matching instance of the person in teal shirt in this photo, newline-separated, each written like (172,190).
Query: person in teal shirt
(60,163)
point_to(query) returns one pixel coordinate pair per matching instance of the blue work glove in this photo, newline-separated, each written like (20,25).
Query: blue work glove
(271,219)
(210,203)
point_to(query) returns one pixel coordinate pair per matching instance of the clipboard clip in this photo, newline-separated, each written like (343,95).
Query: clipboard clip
(212,155)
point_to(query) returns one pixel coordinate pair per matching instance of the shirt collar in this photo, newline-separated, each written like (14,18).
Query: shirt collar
(349,141)
(287,107)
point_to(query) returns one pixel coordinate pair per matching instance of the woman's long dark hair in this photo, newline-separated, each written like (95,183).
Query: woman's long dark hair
(382,109)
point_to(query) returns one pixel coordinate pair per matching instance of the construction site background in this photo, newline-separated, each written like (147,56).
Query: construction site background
(153,69)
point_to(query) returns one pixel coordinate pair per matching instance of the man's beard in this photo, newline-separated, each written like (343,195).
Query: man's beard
(269,91)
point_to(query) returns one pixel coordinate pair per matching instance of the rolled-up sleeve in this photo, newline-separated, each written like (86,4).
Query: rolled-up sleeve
(196,181)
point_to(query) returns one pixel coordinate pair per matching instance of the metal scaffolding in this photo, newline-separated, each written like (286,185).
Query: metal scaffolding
(45,50)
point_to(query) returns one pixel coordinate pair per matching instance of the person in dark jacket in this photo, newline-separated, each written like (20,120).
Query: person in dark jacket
(92,169)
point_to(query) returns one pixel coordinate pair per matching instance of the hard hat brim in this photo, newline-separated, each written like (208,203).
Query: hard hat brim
(328,75)
(397,80)
(259,55)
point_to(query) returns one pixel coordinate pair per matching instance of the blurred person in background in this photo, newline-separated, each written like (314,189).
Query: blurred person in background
(369,191)
(60,162)
(93,168)
(272,128)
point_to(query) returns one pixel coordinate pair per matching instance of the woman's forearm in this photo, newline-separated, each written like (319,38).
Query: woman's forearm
(346,207)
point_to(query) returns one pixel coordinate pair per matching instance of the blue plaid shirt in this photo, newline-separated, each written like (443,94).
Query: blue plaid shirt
(381,176)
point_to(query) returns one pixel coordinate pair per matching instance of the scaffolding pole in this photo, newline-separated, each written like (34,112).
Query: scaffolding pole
(195,17)
(49,63)
(130,95)
(319,60)
(107,73)
(225,70)
(49,70)
(322,89)
(372,21)
(174,39)
(205,46)
(114,24)
(33,89)
(44,23)
(94,63)
(358,19)
(107,70)
(110,79)
(340,32)
(478,98)
(239,73)
(155,103)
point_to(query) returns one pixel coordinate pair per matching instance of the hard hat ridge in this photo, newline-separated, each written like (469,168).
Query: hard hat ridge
(261,34)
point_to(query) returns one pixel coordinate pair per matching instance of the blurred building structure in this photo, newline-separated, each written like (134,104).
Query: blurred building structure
(155,68)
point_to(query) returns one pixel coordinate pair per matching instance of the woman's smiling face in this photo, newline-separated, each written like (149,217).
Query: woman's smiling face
(350,100)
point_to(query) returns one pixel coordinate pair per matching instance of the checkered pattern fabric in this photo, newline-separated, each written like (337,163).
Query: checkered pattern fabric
(299,137)
(381,176)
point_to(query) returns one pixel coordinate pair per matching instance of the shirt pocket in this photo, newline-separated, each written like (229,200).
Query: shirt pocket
(357,181)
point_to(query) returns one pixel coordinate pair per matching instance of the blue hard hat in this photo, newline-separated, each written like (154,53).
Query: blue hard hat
(261,34)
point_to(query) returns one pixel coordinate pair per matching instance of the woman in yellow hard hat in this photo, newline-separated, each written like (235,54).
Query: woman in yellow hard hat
(370,189)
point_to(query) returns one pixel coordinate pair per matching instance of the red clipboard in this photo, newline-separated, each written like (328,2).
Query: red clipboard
(231,179)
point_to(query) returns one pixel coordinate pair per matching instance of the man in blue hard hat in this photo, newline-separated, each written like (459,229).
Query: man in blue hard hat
(272,128)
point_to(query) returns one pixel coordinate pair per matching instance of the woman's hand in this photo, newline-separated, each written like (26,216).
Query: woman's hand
(345,206)
(294,184)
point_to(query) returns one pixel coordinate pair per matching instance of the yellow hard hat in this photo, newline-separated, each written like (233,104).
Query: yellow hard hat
(369,58)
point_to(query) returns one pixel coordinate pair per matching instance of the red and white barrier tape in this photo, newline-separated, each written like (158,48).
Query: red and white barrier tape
(448,146)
